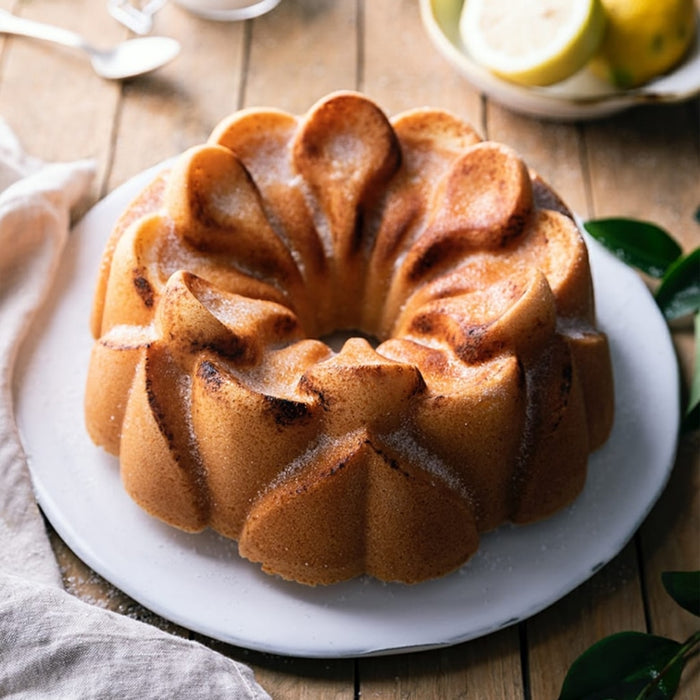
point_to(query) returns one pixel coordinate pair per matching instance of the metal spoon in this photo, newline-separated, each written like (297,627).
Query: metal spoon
(126,60)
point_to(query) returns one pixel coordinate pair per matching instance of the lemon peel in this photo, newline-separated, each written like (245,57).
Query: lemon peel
(538,42)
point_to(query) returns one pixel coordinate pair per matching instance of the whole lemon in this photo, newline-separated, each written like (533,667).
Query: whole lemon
(643,39)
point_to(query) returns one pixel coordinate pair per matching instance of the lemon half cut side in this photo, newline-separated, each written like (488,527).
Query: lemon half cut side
(532,42)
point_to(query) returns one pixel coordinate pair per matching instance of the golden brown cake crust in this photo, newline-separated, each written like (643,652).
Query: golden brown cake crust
(471,390)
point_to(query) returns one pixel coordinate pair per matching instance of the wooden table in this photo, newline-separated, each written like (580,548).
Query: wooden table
(643,163)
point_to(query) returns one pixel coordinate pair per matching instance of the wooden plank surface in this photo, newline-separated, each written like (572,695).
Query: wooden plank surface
(647,164)
(643,163)
(312,46)
(182,102)
(43,89)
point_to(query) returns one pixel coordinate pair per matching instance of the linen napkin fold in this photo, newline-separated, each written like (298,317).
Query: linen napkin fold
(53,645)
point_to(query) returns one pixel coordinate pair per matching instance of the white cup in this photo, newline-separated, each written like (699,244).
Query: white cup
(228,10)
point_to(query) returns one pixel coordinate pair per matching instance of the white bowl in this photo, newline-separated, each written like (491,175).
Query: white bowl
(583,96)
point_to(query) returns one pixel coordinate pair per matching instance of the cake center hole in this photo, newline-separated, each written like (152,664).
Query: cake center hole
(336,339)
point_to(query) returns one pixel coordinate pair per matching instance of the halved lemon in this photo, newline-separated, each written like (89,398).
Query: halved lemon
(532,42)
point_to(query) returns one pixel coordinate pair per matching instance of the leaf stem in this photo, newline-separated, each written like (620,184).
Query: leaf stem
(684,652)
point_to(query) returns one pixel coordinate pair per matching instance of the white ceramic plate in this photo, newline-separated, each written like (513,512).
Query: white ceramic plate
(199,581)
(581,97)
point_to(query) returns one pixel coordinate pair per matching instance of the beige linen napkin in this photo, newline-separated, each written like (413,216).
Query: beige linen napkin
(53,645)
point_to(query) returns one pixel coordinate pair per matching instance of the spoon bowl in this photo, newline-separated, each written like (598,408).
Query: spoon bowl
(125,60)
(134,57)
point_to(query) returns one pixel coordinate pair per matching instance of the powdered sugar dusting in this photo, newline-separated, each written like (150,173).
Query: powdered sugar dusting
(404,442)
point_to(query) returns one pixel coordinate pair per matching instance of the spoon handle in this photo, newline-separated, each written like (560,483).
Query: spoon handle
(11,24)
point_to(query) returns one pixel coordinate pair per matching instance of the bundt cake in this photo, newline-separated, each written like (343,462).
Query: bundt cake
(470,389)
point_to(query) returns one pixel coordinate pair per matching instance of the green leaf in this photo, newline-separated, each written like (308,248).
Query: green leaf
(684,588)
(679,292)
(641,244)
(622,666)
